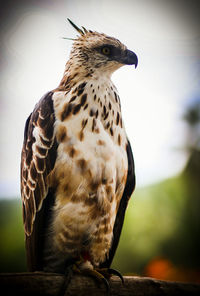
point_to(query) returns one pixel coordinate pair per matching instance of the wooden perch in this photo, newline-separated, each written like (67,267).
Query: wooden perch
(52,284)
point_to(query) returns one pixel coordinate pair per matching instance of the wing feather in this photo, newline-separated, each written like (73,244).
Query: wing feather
(37,161)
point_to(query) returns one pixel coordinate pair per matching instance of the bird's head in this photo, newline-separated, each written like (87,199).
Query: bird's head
(97,52)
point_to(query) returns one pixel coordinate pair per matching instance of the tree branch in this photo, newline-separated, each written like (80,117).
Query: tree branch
(51,284)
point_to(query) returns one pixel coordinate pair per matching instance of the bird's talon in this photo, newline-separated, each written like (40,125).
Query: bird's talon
(108,272)
(94,274)
(112,271)
(98,276)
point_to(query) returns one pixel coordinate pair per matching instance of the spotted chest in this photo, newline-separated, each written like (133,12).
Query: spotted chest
(91,166)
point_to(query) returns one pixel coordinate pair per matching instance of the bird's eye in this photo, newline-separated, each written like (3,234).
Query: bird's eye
(106,50)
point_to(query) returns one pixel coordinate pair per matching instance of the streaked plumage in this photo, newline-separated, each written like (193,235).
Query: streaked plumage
(77,169)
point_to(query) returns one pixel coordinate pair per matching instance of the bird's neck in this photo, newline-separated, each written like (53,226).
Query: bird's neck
(76,72)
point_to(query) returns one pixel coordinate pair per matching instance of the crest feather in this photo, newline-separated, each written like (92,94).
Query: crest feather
(85,30)
(77,28)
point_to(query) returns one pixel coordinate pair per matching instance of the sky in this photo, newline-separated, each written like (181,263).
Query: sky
(164,35)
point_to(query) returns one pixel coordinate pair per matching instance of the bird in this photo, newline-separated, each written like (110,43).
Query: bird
(77,166)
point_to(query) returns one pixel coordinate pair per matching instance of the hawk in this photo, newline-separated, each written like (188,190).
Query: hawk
(77,168)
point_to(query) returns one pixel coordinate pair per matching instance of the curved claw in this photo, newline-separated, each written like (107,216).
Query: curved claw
(107,285)
(112,271)
(98,276)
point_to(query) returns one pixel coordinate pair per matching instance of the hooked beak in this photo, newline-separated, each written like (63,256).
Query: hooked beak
(129,58)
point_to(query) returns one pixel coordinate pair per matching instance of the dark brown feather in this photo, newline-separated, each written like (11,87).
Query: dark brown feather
(34,172)
(129,188)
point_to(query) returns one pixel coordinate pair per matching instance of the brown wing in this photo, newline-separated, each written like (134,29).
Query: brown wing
(129,188)
(37,161)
